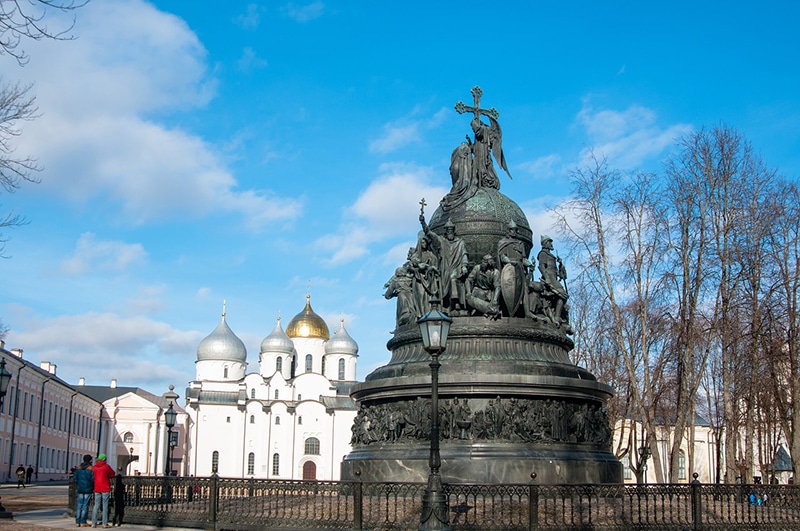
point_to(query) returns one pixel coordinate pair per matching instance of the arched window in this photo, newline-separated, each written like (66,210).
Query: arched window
(279,364)
(276,464)
(127,438)
(341,368)
(309,362)
(251,463)
(252,419)
(278,420)
(681,465)
(215,462)
(225,373)
(253,392)
(323,365)
(276,394)
(312,446)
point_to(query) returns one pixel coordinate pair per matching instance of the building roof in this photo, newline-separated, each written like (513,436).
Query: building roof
(102,393)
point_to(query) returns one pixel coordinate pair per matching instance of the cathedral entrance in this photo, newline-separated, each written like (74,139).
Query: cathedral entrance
(309,471)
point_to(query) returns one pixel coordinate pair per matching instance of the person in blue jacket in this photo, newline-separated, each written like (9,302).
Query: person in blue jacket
(84,479)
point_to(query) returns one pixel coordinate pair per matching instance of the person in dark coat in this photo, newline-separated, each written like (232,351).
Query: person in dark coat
(84,480)
(119,499)
(28,474)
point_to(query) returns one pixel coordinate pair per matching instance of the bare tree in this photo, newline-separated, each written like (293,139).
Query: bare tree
(16,105)
(782,316)
(25,19)
(613,230)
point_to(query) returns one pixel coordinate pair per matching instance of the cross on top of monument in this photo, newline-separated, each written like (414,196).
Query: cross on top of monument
(476,91)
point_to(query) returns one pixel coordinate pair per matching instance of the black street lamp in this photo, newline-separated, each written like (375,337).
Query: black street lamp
(169,419)
(5,379)
(433,327)
(644,454)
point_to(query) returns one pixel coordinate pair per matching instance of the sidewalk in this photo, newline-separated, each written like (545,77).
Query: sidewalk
(58,519)
(52,517)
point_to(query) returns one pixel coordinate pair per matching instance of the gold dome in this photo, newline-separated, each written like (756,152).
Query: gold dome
(308,324)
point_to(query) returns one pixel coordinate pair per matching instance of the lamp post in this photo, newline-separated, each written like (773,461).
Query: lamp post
(169,419)
(5,379)
(644,454)
(433,327)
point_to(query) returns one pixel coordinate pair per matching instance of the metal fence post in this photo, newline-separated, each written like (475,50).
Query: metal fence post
(358,502)
(533,504)
(697,504)
(213,500)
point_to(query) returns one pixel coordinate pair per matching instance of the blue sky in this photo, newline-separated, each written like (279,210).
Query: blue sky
(196,152)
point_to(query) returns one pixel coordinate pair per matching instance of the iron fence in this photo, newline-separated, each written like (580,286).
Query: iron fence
(253,504)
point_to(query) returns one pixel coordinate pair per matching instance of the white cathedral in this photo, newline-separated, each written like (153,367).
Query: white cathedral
(290,420)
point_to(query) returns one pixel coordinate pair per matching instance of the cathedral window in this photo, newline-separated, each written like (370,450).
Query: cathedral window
(300,421)
(341,368)
(251,463)
(276,394)
(215,462)
(309,362)
(312,446)
(253,393)
(252,419)
(279,364)
(225,373)
(127,438)
(626,467)
(278,420)
(228,420)
(323,365)
(681,465)
(276,464)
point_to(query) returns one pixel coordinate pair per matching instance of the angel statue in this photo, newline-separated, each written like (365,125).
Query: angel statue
(471,165)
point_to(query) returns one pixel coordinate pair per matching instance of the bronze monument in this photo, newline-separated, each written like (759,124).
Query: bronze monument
(511,401)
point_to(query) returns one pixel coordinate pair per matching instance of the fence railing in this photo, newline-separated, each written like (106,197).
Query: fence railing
(254,504)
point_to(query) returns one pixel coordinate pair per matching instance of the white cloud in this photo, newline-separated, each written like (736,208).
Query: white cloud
(626,138)
(304,13)
(405,131)
(544,167)
(388,208)
(250,60)
(94,137)
(92,255)
(102,346)
(250,19)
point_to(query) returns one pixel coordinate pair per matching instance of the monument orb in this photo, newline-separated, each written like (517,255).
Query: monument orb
(510,400)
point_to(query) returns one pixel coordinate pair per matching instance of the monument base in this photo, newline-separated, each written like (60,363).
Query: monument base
(486,464)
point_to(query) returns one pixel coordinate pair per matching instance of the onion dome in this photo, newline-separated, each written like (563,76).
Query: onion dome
(222,344)
(341,342)
(277,341)
(308,324)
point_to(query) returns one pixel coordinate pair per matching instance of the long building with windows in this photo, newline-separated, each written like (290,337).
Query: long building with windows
(289,420)
(45,423)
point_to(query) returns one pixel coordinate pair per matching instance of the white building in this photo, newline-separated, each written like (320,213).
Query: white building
(133,432)
(289,420)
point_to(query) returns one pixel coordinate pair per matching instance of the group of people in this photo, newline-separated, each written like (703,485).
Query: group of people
(24,475)
(95,479)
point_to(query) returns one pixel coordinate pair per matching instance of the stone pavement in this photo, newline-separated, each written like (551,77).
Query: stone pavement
(52,498)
